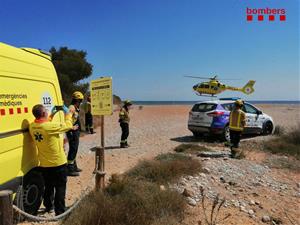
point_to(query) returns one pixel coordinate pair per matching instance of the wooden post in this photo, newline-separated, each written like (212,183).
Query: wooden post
(6,209)
(100,172)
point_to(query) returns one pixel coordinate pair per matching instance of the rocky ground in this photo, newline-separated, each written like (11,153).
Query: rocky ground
(253,192)
(252,189)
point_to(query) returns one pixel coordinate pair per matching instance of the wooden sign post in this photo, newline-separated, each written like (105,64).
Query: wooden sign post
(102,104)
(6,208)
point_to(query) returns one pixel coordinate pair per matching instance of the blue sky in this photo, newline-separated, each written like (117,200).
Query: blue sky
(148,46)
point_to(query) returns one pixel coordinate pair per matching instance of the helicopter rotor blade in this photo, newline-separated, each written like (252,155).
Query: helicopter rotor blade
(198,77)
(230,79)
(212,78)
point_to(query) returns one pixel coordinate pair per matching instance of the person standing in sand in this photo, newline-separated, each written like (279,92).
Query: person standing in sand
(73,135)
(88,116)
(124,123)
(237,121)
(47,136)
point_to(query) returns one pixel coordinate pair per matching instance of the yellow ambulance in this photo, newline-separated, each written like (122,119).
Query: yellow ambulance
(27,78)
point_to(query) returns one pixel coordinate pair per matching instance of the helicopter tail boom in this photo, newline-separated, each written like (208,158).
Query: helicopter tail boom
(248,88)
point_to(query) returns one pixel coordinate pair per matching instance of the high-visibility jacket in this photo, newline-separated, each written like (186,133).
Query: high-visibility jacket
(124,116)
(237,120)
(75,116)
(48,137)
(87,107)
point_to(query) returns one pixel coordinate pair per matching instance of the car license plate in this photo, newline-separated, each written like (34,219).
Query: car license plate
(198,118)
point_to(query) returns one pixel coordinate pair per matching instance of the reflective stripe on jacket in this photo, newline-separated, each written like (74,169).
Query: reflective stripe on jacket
(237,120)
(124,116)
(75,117)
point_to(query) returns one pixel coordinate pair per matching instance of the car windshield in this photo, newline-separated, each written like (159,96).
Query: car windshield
(204,107)
(228,106)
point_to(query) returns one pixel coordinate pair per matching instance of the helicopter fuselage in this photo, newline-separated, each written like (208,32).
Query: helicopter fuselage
(214,87)
(210,88)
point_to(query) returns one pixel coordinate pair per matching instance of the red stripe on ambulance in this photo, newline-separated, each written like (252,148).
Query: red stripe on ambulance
(11,111)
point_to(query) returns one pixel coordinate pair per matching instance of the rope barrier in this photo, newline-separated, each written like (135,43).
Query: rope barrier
(55,218)
(45,219)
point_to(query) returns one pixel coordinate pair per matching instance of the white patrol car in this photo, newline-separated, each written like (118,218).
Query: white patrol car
(212,117)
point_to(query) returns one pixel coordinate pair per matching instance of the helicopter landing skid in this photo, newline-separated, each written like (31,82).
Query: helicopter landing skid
(206,95)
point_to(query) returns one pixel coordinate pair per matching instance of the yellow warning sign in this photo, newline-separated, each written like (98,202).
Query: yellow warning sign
(101,96)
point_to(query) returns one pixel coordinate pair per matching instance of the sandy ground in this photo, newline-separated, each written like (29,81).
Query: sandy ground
(155,130)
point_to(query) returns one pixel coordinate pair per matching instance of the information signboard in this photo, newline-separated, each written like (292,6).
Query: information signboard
(101,96)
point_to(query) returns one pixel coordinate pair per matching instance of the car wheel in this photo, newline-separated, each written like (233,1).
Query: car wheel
(226,134)
(268,128)
(32,193)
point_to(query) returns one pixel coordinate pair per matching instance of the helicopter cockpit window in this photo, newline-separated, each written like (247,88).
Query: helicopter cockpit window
(204,107)
(206,86)
(202,86)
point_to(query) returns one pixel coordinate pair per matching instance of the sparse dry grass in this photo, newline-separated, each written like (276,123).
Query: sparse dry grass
(135,198)
(165,168)
(279,130)
(216,205)
(283,162)
(287,143)
(191,148)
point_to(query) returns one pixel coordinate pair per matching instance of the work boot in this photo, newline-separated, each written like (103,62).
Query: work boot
(122,145)
(71,171)
(76,167)
(234,152)
(127,145)
(49,209)
(92,131)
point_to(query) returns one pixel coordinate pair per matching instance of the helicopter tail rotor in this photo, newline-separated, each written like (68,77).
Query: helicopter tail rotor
(248,88)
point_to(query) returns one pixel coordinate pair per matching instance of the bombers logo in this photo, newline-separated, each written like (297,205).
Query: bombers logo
(266,13)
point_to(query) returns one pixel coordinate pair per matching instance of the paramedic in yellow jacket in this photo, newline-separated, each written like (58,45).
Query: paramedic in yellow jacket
(48,137)
(124,123)
(237,121)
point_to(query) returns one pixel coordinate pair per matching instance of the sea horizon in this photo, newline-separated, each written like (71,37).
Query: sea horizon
(282,102)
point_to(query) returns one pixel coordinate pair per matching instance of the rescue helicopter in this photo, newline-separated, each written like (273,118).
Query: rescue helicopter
(214,86)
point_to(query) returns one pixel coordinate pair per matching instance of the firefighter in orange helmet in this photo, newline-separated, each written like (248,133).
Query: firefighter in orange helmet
(237,121)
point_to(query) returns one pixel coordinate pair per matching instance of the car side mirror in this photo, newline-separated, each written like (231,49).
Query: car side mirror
(259,112)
